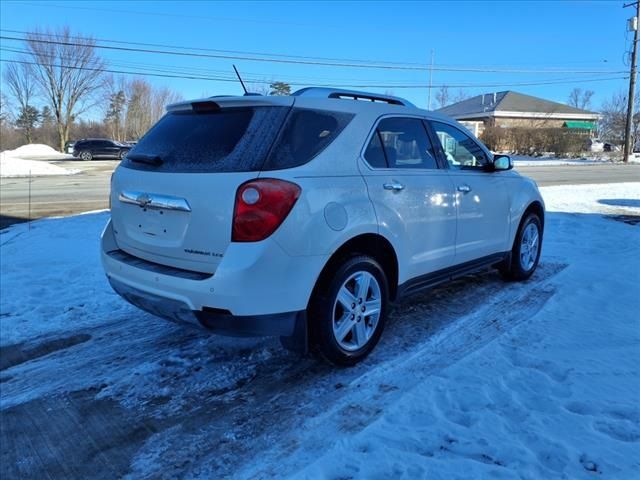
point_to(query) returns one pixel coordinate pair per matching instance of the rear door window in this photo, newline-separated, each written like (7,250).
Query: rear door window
(405,144)
(225,140)
(374,154)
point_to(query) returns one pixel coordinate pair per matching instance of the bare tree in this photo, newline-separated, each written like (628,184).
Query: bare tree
(138,117)
(22,86)
(145,105)
(442,96)
(4,110)
(160,98)
(68,71)
(613,117)
(460,95)
(259,87)
(580,99)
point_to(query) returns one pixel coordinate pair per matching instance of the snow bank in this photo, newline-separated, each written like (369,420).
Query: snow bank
(33,150)
(18,167)
(51,277)
(28,161)
(36,151)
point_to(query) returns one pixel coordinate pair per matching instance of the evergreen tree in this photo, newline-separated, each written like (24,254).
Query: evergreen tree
(27,121)
(280,88)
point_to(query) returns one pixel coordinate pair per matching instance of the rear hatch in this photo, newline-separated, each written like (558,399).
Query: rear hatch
(172,198)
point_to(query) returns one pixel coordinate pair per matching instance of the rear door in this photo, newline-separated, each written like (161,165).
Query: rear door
(111,149)
(482,199)
(100,148)
(173,196)
(411,194)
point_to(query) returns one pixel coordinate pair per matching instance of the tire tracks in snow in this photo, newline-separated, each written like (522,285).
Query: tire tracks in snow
(211,406)
(279,411)
(371,393)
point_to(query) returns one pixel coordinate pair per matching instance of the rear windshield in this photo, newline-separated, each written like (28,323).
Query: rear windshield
(229,140)
(236,139)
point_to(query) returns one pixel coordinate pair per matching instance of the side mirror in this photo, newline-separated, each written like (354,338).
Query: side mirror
(502,162)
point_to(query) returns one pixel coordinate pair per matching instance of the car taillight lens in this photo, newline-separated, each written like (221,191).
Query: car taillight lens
(261,207)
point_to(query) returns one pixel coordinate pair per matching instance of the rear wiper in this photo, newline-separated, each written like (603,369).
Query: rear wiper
(148,159)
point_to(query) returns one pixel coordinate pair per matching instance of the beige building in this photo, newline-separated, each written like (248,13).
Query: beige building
(512,109)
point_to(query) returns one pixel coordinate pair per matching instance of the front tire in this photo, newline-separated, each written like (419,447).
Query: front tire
(123,154)
(347,314)
(525,253)
(86,156)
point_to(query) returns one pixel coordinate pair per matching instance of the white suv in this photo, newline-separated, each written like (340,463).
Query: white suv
(303,216)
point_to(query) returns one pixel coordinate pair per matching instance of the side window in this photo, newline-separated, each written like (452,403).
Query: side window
(406,143)
(305,134)
(374,155)
(460,150)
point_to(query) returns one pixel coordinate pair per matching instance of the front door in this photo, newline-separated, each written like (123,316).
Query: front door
(482,200)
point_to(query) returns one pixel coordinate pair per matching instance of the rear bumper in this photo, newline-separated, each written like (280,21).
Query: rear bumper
(257,289)
(218,321)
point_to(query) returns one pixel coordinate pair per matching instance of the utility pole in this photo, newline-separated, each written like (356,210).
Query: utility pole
(430,80)
(633,24)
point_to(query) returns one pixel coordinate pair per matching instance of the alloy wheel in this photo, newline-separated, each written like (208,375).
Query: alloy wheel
(356,311)
(529,246)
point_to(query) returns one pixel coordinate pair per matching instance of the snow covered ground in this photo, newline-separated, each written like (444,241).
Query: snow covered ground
(476,379)
(30,160)
(528,161)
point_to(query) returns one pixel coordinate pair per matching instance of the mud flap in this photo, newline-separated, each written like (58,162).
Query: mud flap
(299,341)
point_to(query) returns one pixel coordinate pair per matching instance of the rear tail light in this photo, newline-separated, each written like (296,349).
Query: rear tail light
(261,207)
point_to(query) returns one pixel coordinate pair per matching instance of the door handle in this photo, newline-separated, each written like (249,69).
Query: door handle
(394,186)
(464,188)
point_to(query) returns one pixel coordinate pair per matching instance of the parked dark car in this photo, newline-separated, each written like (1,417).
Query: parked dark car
(90,148)
(610,147)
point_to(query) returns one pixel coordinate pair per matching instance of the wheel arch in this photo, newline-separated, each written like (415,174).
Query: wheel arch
(534,207)
(371,244)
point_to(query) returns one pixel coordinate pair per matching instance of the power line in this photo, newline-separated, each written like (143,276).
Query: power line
(300,61)
(201,49)
(221,79)
(121,72)
(206,74)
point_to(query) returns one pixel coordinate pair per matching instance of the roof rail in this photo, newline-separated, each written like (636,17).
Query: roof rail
(322,92)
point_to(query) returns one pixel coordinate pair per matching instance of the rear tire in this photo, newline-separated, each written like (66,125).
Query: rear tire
(347,313)
(122,154)
(86,156)
(525,253)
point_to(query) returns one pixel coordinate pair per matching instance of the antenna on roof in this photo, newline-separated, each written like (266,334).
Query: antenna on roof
(241,82)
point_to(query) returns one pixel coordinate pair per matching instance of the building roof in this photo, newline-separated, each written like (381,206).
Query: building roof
(511,103)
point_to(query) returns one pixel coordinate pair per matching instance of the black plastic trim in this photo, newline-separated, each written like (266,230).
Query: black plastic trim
(223,322)
(433,279)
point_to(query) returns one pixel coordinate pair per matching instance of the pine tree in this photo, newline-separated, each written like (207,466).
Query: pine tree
(27,120)
(115,113)
(280,88)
